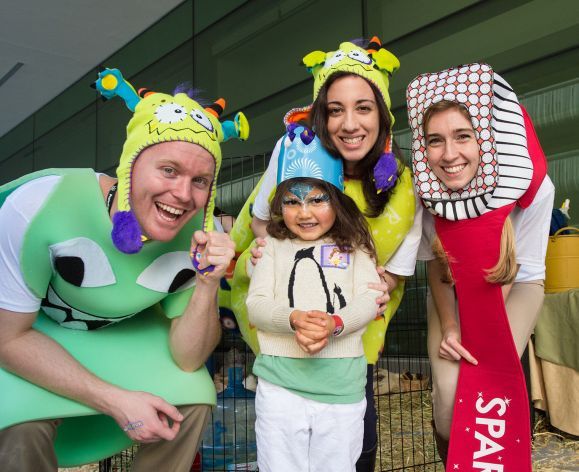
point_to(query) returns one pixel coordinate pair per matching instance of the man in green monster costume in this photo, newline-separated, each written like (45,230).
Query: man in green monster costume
(79,253)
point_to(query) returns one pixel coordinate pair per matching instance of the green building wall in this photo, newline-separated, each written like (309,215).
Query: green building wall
(249,52)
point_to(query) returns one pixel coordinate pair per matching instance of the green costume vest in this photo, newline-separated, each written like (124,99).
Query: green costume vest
(68,259)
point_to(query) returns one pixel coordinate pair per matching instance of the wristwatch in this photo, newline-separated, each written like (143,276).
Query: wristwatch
(339,325)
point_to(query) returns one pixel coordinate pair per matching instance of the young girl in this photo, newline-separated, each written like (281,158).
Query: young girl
(310,302)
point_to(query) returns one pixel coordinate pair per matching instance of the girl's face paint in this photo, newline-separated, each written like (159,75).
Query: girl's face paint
(315,200)
(308,215)
(301,190)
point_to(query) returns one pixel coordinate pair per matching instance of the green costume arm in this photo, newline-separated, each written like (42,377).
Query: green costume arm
(42,361)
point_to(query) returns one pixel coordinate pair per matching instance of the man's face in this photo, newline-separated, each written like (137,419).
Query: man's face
(170,183)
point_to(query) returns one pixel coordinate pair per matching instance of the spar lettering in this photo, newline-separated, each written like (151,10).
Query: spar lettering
(495,429)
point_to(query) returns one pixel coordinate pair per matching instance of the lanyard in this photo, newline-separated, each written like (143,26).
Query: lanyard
(111,197)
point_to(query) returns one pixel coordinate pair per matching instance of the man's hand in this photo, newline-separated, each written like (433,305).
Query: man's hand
(144,417)
(451,348)
(216,249)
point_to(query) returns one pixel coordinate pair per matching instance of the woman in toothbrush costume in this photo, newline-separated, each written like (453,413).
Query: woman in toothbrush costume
(351,116)
(81,251)
(481,173)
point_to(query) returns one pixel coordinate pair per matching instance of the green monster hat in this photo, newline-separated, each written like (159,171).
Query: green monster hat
(375,64)
(162,118)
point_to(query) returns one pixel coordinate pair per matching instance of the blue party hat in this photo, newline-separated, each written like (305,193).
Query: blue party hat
(302,155)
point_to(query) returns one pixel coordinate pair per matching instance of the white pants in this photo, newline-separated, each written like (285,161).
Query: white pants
(296,434)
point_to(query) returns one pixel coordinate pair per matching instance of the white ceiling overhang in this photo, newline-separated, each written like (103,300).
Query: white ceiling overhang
(45,46)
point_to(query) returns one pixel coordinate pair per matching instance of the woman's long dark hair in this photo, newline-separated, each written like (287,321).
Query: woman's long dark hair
(350,230)
(365,168)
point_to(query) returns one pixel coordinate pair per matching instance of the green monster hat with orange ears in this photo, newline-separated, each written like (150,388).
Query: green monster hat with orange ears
(375,63)
(162,118)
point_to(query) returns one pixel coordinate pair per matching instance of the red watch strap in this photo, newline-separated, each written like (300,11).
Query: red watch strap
(339,325)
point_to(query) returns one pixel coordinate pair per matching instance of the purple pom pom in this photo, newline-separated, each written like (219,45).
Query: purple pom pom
(385,172)
(307,136)
(126,232)
(291,130)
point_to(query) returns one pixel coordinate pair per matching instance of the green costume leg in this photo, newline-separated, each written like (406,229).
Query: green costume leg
(29,447)
(176,455)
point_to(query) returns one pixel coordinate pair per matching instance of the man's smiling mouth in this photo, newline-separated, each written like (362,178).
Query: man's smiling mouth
(168,212)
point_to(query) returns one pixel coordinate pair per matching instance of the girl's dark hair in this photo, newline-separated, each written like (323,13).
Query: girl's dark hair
(365,168)
(350,230)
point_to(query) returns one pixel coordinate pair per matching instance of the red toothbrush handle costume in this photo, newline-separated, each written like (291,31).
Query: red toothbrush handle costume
(491,426)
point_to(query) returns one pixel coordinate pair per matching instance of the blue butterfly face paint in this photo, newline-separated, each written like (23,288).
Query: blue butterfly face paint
(305,196)
(301,190)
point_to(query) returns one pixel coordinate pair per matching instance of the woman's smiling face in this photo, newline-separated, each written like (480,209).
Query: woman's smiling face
(353,119)
(451,148)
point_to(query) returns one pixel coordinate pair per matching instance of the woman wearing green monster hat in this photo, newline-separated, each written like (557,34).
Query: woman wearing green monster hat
(351,115)
(81,251)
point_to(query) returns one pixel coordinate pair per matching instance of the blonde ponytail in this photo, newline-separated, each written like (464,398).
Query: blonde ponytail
(504,271)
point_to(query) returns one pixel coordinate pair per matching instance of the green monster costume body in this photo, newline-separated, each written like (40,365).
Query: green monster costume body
(88,280)
(65,234)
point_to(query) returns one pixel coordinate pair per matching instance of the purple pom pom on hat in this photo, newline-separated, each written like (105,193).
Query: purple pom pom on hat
(385,172)
(126,233)
(291,130)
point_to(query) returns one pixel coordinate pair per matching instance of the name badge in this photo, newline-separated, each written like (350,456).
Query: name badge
(332,257)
